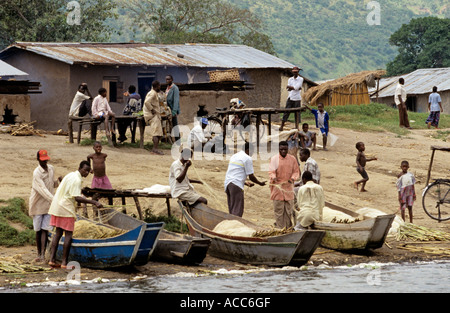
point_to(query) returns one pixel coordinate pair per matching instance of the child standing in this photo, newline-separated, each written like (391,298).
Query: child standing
(322,122)
(98,158)
(361,161)
(406,190)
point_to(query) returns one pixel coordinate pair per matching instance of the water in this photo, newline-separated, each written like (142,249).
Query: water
(421,277)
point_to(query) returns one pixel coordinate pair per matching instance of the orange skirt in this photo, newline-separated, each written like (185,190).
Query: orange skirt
(66,223)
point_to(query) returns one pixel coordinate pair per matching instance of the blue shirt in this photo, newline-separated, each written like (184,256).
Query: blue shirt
(434,100)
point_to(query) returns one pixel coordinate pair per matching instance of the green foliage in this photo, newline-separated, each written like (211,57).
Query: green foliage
(46,20)
(14,211)
(172,223)
(423,43)
(197,21)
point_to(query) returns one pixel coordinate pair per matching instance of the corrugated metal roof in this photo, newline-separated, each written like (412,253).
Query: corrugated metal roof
(419,82)
(138,54)
(9,70)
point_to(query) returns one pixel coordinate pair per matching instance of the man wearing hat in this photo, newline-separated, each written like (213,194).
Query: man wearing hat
(42,191)
(197,136)
(294,87)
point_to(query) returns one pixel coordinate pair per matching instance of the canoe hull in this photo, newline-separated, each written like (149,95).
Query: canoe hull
(367,234)
(291,249)
(180,249)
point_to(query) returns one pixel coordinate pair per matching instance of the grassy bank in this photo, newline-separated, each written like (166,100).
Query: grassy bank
(374,117)
(16,227)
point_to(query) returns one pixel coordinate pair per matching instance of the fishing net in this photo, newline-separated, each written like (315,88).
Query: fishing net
(88,230)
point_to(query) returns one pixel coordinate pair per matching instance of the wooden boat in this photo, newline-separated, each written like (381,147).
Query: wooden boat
(289,249)
(182,249)
(132,247)
(366,234)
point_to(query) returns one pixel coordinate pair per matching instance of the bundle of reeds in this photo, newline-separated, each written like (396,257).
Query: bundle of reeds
(10,266)
(415,232)
(273,232)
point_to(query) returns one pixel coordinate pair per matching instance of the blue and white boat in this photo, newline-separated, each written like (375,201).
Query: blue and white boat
(134,247)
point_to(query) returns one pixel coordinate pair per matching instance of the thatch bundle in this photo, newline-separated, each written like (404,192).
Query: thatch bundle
(355,84)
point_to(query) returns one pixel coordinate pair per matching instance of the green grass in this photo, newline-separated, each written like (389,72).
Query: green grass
(374,117)
(15,211)
(172,223)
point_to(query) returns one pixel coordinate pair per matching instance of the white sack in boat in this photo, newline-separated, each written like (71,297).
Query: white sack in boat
(329,214)
(234,228)
(155,189)
(372,213)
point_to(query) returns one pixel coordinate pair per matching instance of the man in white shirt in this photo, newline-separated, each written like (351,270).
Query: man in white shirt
(435,108)
(294,86)
(240,166)
(311,201)
(102,110)
(79,107)
(62,211)
(42,191)
(197,136)
(400,100)
(180,184)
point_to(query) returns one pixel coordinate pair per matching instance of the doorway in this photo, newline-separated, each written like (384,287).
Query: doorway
(145,81)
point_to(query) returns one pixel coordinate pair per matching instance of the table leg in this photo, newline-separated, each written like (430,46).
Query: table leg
(70,126)
(141,131)
(138,207)
(168,206)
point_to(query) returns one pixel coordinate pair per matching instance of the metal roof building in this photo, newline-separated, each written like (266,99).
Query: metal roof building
(418,85)
(139,54)
(61,67)
(7,70)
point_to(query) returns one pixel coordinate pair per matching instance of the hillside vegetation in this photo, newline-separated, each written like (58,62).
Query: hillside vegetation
(327,38)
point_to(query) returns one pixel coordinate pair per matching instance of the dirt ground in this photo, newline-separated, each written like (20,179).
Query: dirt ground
(132,168)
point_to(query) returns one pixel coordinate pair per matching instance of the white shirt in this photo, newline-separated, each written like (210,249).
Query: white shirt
(196,136)
(76,103)
(63,203)
(176,188)
(240,166)
(312,166)
(42,190)
(100,105)
(400,90)
(297,83)
(434,99)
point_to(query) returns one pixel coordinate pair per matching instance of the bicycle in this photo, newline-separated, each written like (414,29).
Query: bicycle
(436,200)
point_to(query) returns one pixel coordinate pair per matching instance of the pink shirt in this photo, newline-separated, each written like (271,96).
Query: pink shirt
(283,170)
(100,105)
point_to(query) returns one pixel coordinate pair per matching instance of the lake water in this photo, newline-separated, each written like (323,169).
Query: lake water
(421,277)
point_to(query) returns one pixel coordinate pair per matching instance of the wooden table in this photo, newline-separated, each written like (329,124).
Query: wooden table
(110,194)
(135,121)
(261,111)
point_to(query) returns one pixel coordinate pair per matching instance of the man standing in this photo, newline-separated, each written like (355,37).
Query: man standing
(42,191)
(294,87)
(240,166)
(80,107)
(400,101)
(435,108)
(62,211)
(311,201)
(152,115)
(180,184)
(173,100)
(283,172)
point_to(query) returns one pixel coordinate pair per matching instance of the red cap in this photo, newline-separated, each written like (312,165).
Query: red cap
(43,155)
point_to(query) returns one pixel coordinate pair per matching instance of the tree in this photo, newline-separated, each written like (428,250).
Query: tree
(51,20)
(197,21)
(423,43)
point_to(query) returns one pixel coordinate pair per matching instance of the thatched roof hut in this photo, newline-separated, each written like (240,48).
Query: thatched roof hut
(351,89)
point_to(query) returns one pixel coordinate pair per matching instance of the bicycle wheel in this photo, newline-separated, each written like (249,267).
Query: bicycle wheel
(436,201)
(214,127)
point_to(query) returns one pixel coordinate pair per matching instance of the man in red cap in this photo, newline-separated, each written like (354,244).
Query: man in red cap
(294,87)
(42,191)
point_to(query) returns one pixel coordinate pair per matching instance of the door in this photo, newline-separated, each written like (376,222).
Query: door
(145,81)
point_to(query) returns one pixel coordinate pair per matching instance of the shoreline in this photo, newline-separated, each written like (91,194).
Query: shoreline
(322,257)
